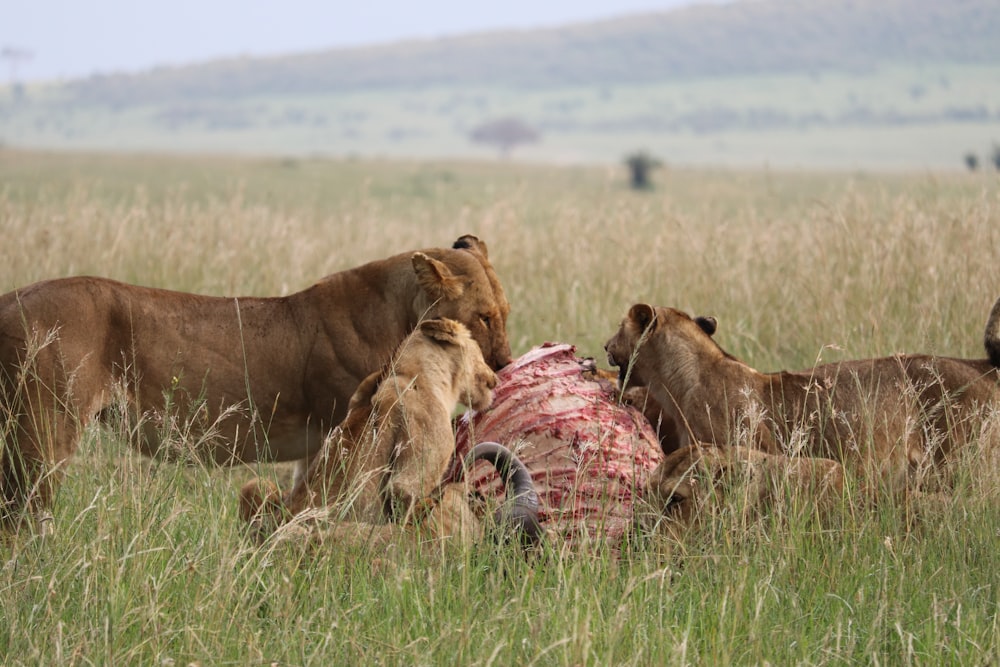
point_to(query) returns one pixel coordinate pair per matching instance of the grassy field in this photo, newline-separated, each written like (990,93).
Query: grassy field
(149,565)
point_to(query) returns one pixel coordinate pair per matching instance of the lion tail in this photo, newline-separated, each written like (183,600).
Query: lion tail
(520,513)
(991,339)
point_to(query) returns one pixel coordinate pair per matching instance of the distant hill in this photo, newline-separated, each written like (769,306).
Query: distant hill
(729,40)
(815,83)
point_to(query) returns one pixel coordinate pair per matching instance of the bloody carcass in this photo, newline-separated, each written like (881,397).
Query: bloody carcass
(588,454)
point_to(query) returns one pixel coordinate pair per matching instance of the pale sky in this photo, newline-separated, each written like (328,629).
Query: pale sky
(73,38)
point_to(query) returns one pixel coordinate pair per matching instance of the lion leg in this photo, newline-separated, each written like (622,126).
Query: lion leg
(300,473)
(666,428)
(32,462)
(415,472)
(358,535)
(451,519)
(20,484)
(444,520)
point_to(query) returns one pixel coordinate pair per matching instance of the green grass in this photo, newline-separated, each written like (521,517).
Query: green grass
(149,564)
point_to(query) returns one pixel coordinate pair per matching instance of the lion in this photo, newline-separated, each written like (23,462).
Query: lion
(700,480)
(270,375)
(383,470)
(892,419)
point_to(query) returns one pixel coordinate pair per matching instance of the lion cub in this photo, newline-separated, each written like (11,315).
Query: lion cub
(384,465)
(890,418)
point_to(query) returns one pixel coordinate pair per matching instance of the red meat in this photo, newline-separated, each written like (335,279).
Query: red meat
(588,455)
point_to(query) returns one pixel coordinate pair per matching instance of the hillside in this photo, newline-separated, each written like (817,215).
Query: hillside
(844,83)
(739,39)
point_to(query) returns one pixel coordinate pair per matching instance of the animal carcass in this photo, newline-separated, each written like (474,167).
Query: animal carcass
(588,454)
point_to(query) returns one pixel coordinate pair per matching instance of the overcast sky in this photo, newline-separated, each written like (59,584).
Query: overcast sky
(71,38)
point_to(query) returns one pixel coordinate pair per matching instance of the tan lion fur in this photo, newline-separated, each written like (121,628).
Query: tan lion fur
(382,468)
(889,418)
(270,376)
(701,480)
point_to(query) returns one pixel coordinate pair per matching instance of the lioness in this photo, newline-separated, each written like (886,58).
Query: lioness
(699,480)
(383,467)
(895,416)
(72,348)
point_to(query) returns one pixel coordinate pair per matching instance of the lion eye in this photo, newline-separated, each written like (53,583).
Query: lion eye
(673,503)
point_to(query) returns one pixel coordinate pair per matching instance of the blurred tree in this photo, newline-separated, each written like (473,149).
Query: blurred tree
(996,156)
(971,161)
(504,133)
(640,164)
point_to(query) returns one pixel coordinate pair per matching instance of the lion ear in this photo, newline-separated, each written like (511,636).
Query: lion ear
(436,278)
(643,315)
(470,242)
(708,324)
(365,391)
(442,330)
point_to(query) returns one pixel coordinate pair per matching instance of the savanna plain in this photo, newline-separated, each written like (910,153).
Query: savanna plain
(149,564)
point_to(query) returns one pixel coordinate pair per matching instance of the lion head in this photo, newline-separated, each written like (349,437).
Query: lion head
(460,358)
(463,286)
(647,332)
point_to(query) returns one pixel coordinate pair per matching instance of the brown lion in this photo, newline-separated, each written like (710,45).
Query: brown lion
(700,480)
(383,470)
(894,416)
(271,376)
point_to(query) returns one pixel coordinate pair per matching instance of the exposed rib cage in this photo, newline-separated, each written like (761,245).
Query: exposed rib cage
(587,454)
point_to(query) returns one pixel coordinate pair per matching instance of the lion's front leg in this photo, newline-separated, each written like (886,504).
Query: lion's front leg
(442,520)
(450,519)
(300,471)
(416,468)
(33,457)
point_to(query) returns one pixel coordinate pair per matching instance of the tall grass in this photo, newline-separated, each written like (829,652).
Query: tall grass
(149,564)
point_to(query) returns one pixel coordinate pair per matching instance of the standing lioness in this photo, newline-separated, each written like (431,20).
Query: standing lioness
(893,416)
(69,348)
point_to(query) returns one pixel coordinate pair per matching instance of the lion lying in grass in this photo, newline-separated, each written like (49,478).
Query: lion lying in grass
(268,377)
(891,419)
(381,472)
(698,481)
